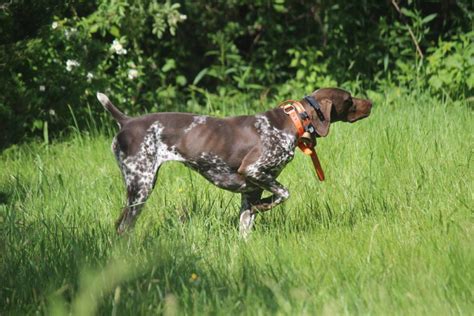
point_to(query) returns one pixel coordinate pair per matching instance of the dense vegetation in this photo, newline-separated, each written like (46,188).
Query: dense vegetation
(389,232)
(152,55)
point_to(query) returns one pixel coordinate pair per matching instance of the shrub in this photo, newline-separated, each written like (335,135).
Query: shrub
(151,55)
(450,66)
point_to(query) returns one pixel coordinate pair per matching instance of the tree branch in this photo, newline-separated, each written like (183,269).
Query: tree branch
(413,38)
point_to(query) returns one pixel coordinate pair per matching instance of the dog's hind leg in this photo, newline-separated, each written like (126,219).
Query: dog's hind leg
(138,191)
(139,187)
(139,172)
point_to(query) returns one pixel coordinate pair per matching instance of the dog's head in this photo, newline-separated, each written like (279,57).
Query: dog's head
(337,105)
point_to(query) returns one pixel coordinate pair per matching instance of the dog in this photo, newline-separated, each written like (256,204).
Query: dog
(241,154)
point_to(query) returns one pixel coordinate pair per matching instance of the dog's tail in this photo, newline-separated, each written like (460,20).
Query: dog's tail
(116,114)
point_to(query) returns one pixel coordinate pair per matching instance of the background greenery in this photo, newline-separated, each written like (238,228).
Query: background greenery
(389,232)
(54,55)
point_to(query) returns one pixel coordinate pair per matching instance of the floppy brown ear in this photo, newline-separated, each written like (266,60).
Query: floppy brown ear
(322,127)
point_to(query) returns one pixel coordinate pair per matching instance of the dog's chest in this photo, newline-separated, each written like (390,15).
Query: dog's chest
(277,147)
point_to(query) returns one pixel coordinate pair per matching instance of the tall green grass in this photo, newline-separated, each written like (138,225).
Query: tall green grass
(389,232)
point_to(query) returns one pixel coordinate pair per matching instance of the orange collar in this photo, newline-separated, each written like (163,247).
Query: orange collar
(302,122)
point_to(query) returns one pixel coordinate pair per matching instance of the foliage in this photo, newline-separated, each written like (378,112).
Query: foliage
(402,60)
(72,58)
(151,55)
(311,70)
(388,232)
(450,67)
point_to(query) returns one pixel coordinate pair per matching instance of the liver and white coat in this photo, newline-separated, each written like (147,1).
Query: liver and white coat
(242,154)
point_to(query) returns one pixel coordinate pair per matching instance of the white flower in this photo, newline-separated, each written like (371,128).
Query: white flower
(132,74)
(42,88)
(54,25)
(89,76)
(71,63)
(70,32)
(118,48)
(173,20)
(52,112)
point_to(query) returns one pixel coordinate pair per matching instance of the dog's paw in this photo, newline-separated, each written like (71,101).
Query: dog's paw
(246,222)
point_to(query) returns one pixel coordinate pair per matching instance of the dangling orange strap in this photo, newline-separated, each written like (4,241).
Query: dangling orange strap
(311,151)
(293,109)
(317,165)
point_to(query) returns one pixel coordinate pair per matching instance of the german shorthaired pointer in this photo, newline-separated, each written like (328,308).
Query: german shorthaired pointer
(242,154)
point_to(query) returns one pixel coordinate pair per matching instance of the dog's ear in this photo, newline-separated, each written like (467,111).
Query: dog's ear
(322,127)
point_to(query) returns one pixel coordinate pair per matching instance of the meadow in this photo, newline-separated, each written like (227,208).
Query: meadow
(390,232)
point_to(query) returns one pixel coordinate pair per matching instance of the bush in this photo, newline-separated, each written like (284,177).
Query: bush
(450,66)
(55,76)
(150,55)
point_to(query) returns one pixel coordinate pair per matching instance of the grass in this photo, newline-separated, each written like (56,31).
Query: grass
(389,232)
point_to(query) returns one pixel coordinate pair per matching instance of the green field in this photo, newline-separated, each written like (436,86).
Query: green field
(389,232)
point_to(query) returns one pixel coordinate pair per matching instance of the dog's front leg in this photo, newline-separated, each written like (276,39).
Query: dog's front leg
(247,216)
(256,169)
(280,194)
(253,204)
(258,173)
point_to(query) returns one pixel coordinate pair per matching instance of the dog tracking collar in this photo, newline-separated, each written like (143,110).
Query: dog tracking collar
(306,139)
(315,105)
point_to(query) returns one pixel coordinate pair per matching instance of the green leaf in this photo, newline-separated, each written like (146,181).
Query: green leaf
(470,81)
(230,71)
(428,18)
(169,65)
(436,82)
(37,124)
(408,13)
(200,75)
(181,80)
(385,62)
(114,31)
(94,28)
(294,62)
(300,74)
(279,6)
(254,86)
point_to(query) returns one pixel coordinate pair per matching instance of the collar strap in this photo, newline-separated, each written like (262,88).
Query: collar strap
(299,116)
(315,105)
(303,125)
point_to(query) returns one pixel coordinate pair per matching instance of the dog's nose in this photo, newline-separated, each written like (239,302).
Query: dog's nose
(368,104)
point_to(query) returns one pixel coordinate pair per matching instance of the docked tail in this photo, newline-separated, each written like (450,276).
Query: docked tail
(116,114)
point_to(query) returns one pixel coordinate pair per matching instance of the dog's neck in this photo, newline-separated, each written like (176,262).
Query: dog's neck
(281,121)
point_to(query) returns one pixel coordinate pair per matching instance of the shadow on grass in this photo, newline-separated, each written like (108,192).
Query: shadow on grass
(14,188)
(4,197)
(81,268)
